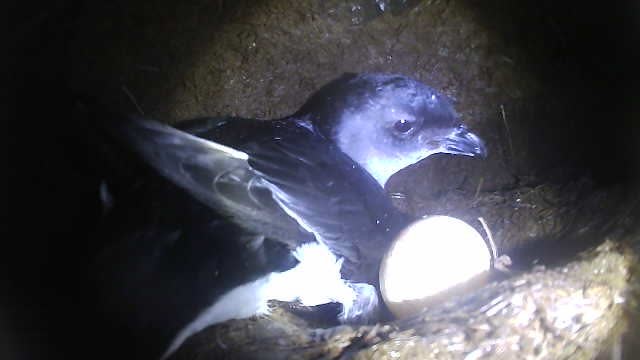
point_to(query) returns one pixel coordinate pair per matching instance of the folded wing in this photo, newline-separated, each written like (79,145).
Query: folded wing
(284,182)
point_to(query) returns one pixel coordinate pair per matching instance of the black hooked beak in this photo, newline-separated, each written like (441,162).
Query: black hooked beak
(464,142)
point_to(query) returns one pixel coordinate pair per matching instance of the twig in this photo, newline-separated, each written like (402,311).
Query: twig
(398,195)
(502,262)
(132,98)
(475,197)
(506,126)
(492,245)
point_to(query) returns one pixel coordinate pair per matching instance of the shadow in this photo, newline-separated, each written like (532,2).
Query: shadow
(52,190)
(585,59)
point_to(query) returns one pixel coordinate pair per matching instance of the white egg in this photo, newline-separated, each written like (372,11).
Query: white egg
(431,260)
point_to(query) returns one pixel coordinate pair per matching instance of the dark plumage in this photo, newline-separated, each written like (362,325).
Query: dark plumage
(238,200)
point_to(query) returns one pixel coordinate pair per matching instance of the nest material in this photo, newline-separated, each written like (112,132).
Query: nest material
(568,311)
(565,310)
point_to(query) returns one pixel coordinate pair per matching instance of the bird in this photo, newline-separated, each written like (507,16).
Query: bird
(224,214)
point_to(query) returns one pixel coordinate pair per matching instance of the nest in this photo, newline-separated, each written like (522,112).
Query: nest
(554,304)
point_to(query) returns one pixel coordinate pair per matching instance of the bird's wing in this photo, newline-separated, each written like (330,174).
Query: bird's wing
(326,192)
(285,187)
(217,175)
(313,181)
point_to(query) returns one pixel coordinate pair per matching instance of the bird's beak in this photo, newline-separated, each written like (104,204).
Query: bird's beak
(463,142)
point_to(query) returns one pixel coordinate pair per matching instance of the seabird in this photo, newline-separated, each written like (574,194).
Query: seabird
(245,211)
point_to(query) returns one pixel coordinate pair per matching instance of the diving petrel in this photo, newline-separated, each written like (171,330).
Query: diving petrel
(245,211)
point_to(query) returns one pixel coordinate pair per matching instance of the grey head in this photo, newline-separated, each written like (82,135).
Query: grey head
(386,122)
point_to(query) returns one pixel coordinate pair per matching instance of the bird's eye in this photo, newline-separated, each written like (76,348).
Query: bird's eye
(403,126)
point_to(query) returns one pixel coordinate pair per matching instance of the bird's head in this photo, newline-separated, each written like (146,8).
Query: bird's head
(387,122)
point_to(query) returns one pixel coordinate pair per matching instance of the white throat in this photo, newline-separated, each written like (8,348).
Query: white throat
(383,169)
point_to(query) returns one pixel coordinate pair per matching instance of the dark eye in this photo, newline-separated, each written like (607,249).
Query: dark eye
(403,126)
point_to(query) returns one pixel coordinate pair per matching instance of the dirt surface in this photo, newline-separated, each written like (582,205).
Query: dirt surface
(262,59)
(570,311)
